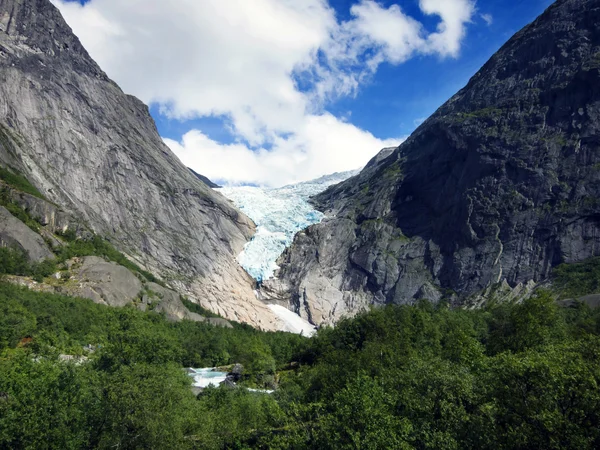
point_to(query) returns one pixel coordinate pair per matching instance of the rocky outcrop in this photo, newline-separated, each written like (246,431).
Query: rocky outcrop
(205,180)
(168,302)
(110,284)
(105,282)
(500,185)
(592,301)
(48,214)
(15,234)
(96,153)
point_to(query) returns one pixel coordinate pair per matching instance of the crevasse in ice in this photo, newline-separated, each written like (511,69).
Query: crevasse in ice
(279,213)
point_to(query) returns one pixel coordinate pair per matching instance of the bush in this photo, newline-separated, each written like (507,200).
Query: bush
(513,376)
(196,308)
(15,261)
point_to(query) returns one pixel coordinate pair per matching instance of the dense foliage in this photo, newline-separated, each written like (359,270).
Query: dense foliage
(509,377)
(15,261)
(574,280)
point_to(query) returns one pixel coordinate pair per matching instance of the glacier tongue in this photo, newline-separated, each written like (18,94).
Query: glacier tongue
(279,213)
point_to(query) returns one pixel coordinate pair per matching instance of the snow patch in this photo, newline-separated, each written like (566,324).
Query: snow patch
(293,322)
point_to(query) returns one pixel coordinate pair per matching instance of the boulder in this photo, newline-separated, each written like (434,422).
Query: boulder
(14,233)
(218,322)
(236,373)
(105,282)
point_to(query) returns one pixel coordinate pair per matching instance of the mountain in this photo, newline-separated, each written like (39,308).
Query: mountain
(500,185)
(96,158)
(205,180)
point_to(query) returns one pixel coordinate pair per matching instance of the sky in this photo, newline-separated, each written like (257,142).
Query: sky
(272,92)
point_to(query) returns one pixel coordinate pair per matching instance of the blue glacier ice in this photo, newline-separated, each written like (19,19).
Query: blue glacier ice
(279,213)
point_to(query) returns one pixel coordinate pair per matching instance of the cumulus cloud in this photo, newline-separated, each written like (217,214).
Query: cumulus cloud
(246,60)
(451,30)
(321,144)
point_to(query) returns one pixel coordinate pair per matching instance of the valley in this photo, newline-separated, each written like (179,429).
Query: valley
(444,296)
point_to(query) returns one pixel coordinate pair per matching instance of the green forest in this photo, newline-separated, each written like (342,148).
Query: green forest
(509,376)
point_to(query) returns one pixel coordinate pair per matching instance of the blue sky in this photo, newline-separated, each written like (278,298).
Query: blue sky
(400,95)
(288,90)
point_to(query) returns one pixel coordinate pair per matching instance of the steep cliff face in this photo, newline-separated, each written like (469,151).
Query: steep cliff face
(96,152)
(501,184)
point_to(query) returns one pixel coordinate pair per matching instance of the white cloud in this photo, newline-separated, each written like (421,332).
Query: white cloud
(376,35)
(242,59)
(451,30)
(488,19)
(322,144)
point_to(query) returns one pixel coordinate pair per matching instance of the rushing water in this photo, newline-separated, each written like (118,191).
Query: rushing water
(211,376)
(207,376)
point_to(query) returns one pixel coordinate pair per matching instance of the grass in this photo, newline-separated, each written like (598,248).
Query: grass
(15,261)
(393,170)
(16,180)
(558,139)
(478,114)
(76,247)
(17,211)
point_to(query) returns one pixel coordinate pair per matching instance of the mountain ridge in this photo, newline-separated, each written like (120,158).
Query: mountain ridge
(497,185)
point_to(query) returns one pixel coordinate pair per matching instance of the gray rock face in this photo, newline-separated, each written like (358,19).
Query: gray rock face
(49,215)
(501,184)
(14,233)
(205,180)
(218,322)
(169,302)
(592,301)
(96,152)
(108,282)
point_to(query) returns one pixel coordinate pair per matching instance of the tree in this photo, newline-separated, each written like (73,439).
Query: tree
(362,418)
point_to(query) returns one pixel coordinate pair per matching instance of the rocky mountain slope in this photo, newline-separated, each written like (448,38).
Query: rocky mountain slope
(95,152)
(500,185)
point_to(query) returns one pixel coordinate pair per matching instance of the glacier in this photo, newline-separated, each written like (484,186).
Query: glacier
(279,213)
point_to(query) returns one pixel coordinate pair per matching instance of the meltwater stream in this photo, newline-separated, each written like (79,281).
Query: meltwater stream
(279,213)
(206,377)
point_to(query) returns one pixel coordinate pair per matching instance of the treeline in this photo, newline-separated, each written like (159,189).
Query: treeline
(511,376)
(508,377)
